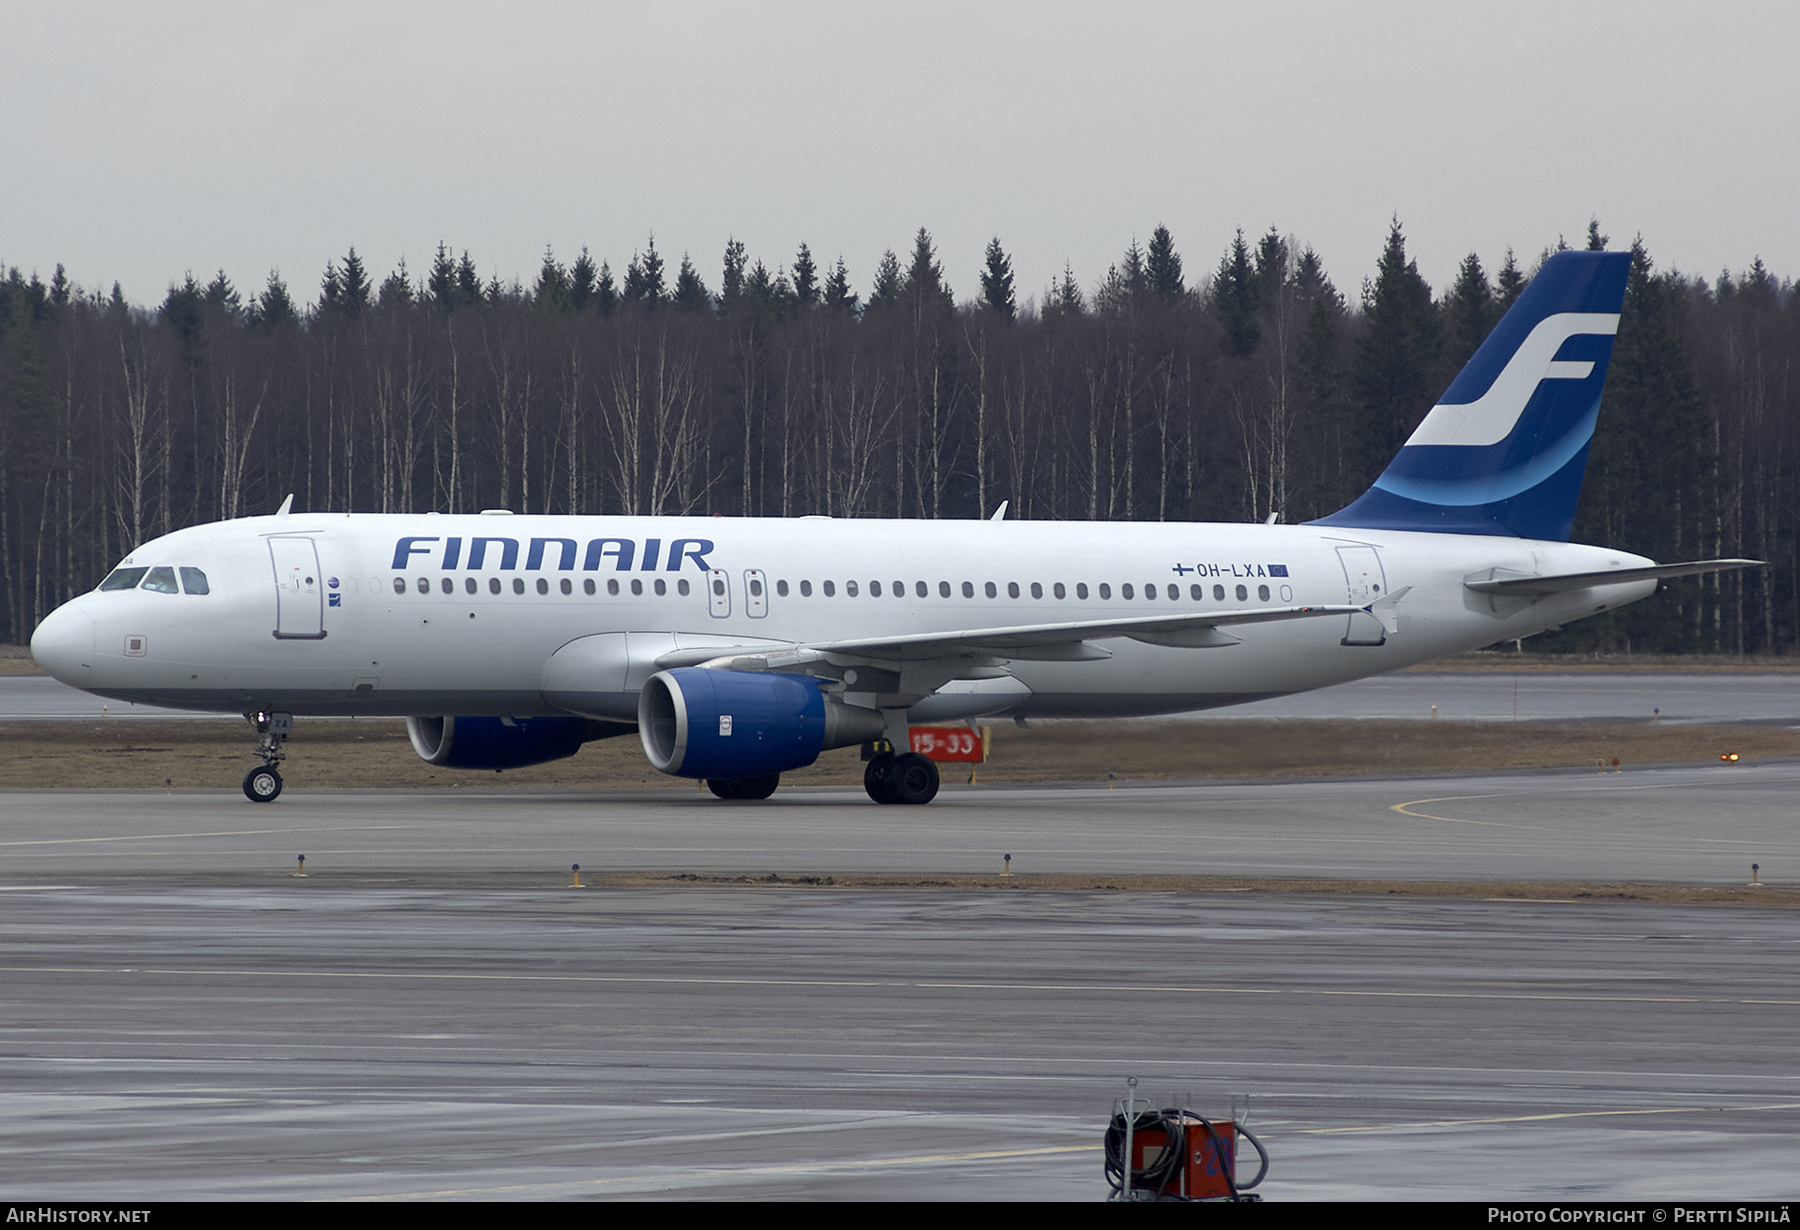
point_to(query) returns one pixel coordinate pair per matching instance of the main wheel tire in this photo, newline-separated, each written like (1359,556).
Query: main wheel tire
(913,779)
(878,778)
(262,784)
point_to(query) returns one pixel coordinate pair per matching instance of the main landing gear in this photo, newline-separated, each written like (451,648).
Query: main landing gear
(744,787)
(908,778)
(263,783)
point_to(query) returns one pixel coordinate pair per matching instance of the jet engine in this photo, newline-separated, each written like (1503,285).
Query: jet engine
(498,742)
(725,724)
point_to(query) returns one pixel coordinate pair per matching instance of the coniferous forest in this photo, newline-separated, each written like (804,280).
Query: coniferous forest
(1226,392)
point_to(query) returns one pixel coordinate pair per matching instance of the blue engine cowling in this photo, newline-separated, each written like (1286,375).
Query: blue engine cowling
(496,742)
(729,724)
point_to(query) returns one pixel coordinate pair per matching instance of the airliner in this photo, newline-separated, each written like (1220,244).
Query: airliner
(740,649)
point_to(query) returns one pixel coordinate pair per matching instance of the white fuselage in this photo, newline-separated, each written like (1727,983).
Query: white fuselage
(394,621)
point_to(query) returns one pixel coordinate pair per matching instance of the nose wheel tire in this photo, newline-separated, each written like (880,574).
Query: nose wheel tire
(262,784)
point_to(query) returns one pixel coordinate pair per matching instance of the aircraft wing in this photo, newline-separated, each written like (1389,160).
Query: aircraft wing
(1067,640)
(1497,582)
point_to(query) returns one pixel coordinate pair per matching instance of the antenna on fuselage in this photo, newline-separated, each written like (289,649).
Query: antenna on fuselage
(1000,512)
(287,506)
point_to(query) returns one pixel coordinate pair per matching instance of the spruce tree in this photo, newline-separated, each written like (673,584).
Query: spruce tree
(691,294)
(583,282)
(644,277)
(839,298)
(1509,283)
(440,282)
(1469,315)
(886,291)
(468,282)
(924,283)
(1163,266)
(1396,360)
(355,285)
(1235,298)
(806,279)
(997,281)
(731,286)
(551,293)
(273,308)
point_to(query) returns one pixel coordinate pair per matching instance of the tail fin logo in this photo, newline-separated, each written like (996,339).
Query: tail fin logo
(1491,417)
(1504,450)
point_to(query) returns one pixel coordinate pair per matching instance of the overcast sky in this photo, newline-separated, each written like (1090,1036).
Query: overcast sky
(142,141)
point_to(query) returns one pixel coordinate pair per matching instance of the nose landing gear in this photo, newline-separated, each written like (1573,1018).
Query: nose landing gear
(263,783)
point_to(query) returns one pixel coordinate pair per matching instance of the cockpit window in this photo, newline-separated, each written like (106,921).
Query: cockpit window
(124,578)
(161,581)
(194,581)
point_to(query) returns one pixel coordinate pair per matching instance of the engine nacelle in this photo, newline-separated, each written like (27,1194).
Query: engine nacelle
(727,724)
(496,742)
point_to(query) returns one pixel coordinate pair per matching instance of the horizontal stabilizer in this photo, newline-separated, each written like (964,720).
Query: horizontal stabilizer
(1493,583)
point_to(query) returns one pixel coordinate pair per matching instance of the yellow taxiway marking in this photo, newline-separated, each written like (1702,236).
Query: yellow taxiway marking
(1567,1114)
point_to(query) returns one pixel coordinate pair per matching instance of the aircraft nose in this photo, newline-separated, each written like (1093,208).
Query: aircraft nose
(64,644)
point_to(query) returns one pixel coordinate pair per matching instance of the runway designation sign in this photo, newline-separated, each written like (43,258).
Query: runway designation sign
(947,743)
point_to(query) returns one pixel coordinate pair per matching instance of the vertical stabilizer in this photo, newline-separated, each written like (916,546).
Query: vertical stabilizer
(1505,449)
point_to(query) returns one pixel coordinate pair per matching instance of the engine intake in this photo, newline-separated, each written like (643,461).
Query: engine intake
(728,724)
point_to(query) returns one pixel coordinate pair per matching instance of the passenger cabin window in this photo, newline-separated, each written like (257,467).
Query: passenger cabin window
(469,585)
(682,587)
(424,585)
(1124,590)
(518,585)
(1105,590)
(587,587)
(781,589)
(1262,592)
(849,588)
(493,585)
(1218,593)
(399,585)
(968,589)
(124,578)
(991,591)
(1081,590)
(943,589)
(449,586)
(806,589)
(1243,595)
(827,588)
(194,581)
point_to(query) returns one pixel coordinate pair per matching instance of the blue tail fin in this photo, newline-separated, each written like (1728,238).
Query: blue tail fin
(1505,449)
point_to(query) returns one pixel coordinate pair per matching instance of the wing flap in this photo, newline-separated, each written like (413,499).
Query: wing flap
(1187,631)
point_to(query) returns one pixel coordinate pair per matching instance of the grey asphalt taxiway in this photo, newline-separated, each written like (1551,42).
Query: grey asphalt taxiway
(431,1014)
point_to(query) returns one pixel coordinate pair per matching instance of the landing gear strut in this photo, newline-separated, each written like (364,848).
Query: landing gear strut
(263,784)
(908,778)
